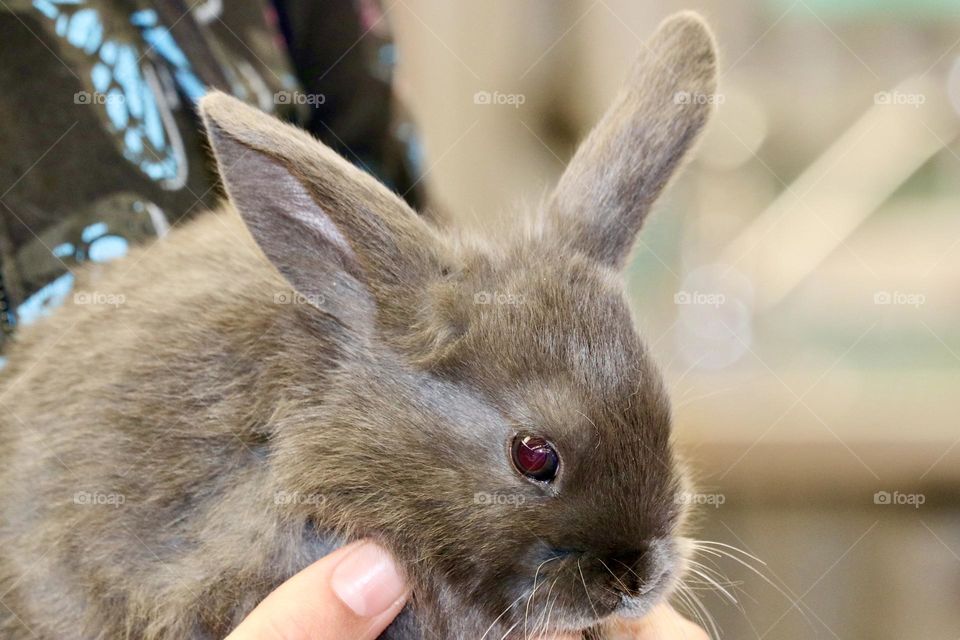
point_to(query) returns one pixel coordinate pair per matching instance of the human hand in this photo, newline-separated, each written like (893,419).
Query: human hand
(663,623)
(354,592)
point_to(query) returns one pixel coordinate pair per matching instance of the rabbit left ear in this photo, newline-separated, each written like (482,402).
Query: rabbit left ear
(338,236)
(617,173)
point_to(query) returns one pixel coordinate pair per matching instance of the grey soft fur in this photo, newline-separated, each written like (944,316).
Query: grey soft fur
(169,460)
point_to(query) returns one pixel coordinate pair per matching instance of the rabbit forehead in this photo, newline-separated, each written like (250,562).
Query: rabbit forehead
(537,314)
(555,340)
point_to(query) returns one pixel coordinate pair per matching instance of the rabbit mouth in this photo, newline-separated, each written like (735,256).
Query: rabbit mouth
(574,591)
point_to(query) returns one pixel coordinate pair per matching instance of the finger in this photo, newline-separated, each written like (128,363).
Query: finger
(352,593)
(663,623)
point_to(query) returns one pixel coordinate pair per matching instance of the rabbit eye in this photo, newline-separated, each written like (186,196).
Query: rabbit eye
(535,458)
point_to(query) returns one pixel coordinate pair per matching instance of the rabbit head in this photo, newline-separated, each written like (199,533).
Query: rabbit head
(495,418)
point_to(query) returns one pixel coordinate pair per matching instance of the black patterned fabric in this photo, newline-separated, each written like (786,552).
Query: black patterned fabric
(101,146)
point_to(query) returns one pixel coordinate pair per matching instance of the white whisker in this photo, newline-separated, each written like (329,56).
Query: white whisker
(724,550)
(495,620)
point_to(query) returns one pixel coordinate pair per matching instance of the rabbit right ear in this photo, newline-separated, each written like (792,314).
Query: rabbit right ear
(342,240)
(606,192)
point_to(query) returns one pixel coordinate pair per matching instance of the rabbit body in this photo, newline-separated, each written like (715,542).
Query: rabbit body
(316,363)
(136,480)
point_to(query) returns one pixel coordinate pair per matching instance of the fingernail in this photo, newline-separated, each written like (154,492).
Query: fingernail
(367,580)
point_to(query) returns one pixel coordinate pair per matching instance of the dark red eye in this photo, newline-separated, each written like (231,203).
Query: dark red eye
(535,458)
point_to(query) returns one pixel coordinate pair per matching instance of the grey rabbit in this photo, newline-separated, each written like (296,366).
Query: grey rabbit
(480,405)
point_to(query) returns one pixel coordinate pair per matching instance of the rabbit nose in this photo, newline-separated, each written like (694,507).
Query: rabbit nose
(637,571)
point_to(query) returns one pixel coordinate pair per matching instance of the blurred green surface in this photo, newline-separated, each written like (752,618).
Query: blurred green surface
(915,8)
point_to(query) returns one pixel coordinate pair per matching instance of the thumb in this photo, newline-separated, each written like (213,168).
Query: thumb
(354,592)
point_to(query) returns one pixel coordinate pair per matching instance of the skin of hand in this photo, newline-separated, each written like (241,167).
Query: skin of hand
(663,623)
(357,590)
(353,592)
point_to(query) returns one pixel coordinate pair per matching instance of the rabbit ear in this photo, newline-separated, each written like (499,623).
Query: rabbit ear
(625,162)
(341,239)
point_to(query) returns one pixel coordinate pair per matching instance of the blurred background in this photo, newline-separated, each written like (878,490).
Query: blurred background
(800,282)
